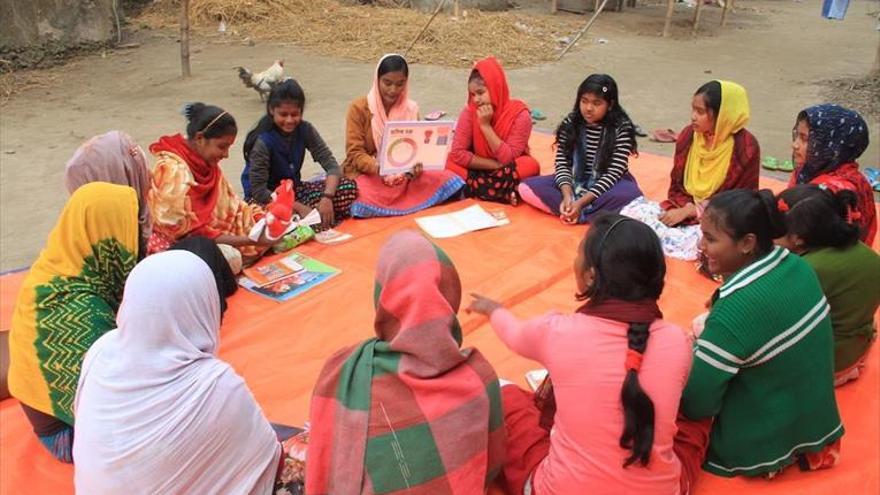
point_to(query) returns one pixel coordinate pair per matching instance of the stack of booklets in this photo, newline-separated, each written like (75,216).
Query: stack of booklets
(287,277)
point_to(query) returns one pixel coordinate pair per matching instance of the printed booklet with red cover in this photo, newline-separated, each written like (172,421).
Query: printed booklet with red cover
(287,277)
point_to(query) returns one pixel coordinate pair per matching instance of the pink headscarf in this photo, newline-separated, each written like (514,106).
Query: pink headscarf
(115,158)
(404,109)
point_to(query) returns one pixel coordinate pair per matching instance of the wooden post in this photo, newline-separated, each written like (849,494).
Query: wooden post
(184,39)
(553,6)
(456,9)
(728,5)
(670,7)
(875,70)
(697,10)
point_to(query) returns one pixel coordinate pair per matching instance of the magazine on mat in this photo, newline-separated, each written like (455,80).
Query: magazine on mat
(406,143)
(264,273)
(461,222)
(313,272)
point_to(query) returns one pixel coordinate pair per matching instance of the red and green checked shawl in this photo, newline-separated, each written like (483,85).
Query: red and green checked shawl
(408,411)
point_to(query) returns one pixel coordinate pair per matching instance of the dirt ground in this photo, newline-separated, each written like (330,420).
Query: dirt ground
(780,50)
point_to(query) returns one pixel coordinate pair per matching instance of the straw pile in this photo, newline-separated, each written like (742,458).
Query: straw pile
(859,93)
(19,80)
(367,32)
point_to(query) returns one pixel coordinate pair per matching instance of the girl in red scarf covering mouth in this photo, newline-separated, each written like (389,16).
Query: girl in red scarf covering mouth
(490,149)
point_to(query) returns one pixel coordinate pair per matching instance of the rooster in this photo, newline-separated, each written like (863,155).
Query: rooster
(263,82)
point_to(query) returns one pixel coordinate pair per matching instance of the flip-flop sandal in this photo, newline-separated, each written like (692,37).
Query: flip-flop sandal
(538,115)
(639,131)
(663,135)
(435,115)
(873,176)
(514,198)
(785,166)
(770,163)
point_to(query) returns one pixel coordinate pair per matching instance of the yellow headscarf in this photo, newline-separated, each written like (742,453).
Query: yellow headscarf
(707,162)
(71,294)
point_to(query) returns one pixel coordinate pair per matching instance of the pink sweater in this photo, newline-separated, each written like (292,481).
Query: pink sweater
(515,146)
(585,356)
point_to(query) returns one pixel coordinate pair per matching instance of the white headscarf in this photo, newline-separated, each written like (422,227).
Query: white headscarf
(156,410)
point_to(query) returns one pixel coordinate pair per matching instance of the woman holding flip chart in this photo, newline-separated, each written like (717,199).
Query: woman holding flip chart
(393,194)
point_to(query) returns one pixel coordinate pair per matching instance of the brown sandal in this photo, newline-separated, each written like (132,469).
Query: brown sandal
(664,135)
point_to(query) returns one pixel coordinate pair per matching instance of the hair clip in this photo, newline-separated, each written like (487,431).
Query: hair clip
(782,206)
(633,360)
(852,215)
(218,117)
(604,89)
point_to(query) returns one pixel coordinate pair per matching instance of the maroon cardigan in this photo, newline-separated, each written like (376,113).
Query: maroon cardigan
(745,167)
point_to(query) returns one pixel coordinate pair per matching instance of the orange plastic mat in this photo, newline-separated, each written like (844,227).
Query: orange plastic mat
(279,348)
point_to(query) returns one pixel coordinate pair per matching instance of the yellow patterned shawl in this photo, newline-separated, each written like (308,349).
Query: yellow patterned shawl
(71,294)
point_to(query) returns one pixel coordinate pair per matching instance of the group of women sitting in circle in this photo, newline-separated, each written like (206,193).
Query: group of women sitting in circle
(120,348)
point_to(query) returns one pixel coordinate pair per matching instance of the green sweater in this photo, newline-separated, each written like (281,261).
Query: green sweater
(850,279)
(763,368)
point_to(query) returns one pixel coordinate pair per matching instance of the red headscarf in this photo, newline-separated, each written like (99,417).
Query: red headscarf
(204,193)
(506,109)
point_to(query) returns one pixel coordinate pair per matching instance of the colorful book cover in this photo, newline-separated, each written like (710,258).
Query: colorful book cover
(263,273)
(313,273)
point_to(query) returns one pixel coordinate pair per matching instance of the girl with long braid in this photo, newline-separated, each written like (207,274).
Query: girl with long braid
(606,422)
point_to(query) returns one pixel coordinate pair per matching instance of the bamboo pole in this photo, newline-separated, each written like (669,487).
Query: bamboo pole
(728,5)
(456,9)
(436,11)
(118,24)
(875,70)
(670,7)
(184,39)
(584,30)
(697,10)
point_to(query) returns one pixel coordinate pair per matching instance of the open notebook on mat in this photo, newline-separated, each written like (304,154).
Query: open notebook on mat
(461,222)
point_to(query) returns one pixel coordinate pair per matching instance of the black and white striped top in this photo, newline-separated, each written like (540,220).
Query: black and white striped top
(589,143)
